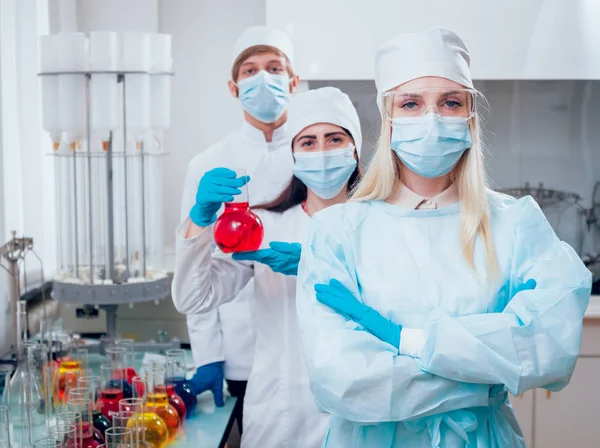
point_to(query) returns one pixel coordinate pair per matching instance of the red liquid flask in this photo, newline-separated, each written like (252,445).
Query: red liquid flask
(238,229)
(109,401)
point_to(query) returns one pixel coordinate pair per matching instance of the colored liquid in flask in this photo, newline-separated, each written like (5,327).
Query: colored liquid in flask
(109,402)
(158,403)
(183,389)
(174,400)
(238,229)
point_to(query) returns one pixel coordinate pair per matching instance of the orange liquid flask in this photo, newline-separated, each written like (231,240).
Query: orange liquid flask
(157,400)
(238,229)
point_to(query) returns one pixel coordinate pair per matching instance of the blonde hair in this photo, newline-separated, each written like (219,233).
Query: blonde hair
(383,176)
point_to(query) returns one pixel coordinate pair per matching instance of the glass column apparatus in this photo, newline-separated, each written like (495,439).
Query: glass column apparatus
(109,175)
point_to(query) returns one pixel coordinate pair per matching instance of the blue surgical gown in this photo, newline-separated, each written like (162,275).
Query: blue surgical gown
(479,338)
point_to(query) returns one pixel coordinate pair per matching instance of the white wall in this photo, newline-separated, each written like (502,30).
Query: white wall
(203,112)
(508,39)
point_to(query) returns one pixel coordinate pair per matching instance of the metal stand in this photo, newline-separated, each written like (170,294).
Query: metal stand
(106,286)
(13,252)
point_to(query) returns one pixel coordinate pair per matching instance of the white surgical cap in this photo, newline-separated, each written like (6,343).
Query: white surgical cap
(262,35)
(435,52)
(324,105)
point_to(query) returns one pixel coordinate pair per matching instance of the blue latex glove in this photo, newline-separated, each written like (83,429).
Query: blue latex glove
(209,377)
(281,257)
(217,186)
(336,296)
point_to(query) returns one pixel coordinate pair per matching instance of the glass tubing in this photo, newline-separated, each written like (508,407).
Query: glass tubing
(73,205)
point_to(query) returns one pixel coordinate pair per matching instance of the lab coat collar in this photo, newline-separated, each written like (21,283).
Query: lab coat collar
(406,198)
(280,136)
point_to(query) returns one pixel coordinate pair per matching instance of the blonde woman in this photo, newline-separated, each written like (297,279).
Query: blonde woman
(427,297)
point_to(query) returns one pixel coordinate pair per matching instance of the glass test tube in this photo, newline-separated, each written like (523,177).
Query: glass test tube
(84,408)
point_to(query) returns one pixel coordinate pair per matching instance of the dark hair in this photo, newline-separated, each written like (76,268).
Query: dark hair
(295,193)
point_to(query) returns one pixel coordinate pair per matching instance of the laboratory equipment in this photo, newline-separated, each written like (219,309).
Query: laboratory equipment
(23,394)
(174,400)
(119,437)
(153,428)
(117,357)
(74,420)
(109,180)
(47,443)
(128,359)
(4,427)
(64,434)
(176,375)
(157,400)
(130,420)
(84,407)
(238,229)
(101,423)
(111,392)
(65,378)
(138,387)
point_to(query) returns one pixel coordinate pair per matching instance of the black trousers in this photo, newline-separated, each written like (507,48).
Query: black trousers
(238,389)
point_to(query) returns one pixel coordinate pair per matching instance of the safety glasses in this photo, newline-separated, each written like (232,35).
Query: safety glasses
(417,103)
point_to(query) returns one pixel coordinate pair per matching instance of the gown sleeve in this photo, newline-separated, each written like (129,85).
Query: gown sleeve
(204,279)
(535,340)
(352,373)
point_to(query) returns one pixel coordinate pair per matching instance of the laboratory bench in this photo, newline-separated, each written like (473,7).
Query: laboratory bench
(208,428)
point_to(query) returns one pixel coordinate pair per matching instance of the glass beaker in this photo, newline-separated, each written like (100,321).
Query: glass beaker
(65,377)
(37,363)
(101,423)
(65,434)
(157,400)
(128,419)
(138,385)
(119,437)
(47,443)
(111,389)
(117,357)
(4,427)
(153,428)
(176,375)
(238,229)
(73,419)
(128,358)
(84,407)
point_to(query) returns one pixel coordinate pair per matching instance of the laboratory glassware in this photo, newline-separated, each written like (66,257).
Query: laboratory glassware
(176,375)
(238,229)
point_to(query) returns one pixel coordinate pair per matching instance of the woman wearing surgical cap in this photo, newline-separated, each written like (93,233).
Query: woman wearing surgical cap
(428,297)
(279,410)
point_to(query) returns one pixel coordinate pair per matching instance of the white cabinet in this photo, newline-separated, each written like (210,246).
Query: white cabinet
(524,410)
(571,417)
(509,39)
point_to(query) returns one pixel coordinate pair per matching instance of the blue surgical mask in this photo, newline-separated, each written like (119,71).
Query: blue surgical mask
(430,146)
(264,95)
(325,172)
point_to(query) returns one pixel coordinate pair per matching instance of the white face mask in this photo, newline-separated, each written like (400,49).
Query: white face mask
(265,96)
(325,172)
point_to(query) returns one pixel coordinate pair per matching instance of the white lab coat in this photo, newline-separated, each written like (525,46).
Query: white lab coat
(279,409)
(227,333)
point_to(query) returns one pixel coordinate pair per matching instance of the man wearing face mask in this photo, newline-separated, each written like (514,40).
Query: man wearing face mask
(262,79)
